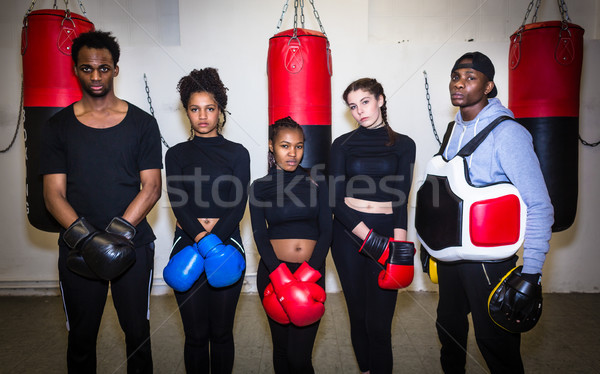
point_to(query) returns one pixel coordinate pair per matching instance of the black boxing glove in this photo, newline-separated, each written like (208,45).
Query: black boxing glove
(376,246)
(515,304)
(120,226)
(107,253)
(74,235)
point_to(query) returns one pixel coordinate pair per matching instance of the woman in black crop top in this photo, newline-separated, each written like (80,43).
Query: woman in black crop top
(371,172)
(291,221)
(207,178)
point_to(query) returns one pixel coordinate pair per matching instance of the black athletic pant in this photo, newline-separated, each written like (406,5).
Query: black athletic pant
(465,287)
(207,314)
(84,301)
(370,308)
(292,345)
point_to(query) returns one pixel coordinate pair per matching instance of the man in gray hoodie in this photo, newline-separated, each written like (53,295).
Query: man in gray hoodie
(505,155)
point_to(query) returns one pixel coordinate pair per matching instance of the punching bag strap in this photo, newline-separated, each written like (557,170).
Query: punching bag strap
(316,14)
(565,49)
(293,59)
(514,54)
(68,31)
(472,145)
(25,27)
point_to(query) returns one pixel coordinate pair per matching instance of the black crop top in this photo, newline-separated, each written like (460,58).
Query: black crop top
(208,178)
(290,205)
(364,167)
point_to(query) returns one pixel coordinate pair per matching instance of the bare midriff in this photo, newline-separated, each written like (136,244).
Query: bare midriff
(293,250)
(207,223)
(366,206)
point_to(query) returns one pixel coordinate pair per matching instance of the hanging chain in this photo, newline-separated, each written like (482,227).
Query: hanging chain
(302,13)
(317,17)
(152,109)
(564,12)
(82,9)
(429,109)
(295,16)
(537,7)
(12,142)
(529,8)
(588,144)
(296,5)
(285,7)
(55,6)
(31,7)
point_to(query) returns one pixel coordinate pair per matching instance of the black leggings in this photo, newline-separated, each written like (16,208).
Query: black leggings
(292,345)
(370,308)
(464,288)
(207,314)
(84,301)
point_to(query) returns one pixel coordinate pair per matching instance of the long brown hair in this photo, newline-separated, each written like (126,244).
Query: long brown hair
(375,88)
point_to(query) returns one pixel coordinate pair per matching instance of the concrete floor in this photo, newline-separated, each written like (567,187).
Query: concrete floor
(34,338)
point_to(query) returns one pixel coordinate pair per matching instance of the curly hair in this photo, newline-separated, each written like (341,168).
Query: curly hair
(97,40)
(204,80)
(375,88)
(275,129)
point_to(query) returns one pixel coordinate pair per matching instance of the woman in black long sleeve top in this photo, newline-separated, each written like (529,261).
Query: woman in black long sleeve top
(371,173)
(207,178)
(291,221)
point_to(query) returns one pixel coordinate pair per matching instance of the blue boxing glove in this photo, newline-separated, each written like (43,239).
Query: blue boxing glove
(223,264)
(183,269)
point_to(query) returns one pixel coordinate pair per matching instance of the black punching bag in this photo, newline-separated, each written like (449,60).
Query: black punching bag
(544,75)
(49,85)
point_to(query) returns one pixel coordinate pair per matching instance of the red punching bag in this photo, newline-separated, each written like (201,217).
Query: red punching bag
(545,61)
(49,85)
(299,71)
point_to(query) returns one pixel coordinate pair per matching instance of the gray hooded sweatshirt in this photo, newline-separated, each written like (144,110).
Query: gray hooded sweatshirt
(507,155)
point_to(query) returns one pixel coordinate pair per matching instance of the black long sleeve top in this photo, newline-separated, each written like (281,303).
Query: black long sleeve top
(290,205)
(362,166)
(208,178)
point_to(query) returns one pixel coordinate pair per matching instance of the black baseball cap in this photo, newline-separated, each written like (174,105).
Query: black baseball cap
(482,64)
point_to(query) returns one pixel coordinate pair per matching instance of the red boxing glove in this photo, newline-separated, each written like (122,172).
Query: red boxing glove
(305,273)
(376,246)
(273,307)
(302,301)
(399,269)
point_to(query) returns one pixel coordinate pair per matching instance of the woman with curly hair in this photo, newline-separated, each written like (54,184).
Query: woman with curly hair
(207,177)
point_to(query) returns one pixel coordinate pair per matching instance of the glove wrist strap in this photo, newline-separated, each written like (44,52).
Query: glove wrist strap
(79,230)
(120,226)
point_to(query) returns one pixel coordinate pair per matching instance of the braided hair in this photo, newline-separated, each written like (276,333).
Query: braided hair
(275,129)
(204,80)
(375,88)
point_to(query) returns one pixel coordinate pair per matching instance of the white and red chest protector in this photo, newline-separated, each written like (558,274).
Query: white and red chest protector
(457,221)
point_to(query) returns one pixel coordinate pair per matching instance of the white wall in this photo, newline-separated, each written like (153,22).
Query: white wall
(391,40)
